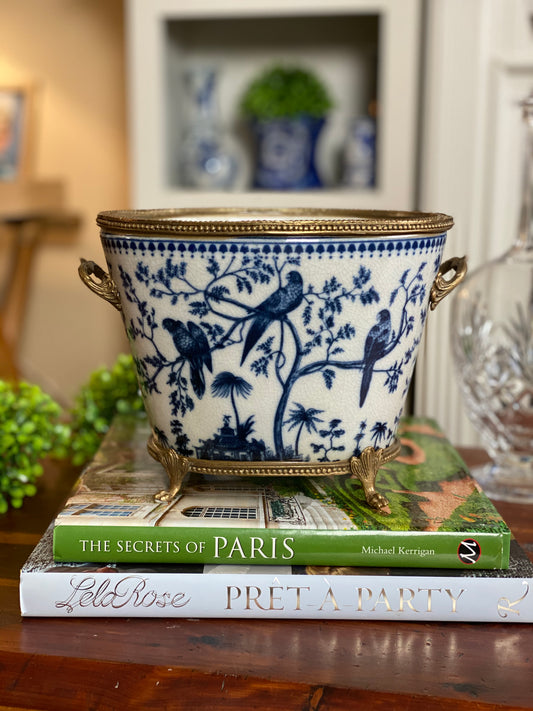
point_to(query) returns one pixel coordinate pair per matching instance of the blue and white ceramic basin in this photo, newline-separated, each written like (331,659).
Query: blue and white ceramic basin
(273,336)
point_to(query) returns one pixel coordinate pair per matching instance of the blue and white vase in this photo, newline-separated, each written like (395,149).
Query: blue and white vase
(274,342)
(359,156)
(286,153)
(208,158)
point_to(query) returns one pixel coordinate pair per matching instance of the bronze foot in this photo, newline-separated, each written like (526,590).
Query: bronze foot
(175,465)
(365,468)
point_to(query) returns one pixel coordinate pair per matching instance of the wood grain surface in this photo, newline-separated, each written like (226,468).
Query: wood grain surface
(115,663)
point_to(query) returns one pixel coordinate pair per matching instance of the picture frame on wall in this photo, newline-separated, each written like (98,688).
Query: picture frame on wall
(14,132)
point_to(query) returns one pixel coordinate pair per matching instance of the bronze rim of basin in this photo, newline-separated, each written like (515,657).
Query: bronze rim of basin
(226,222)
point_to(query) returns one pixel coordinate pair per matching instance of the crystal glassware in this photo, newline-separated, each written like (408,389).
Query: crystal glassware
(492,341)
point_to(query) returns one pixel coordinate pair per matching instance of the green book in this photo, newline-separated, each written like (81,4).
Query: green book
(437,515)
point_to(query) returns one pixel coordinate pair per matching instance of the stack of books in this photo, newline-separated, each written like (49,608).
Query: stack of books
(301,547)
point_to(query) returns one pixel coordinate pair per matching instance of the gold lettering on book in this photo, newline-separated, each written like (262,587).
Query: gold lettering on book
(298,595)
(505,606)
(269,598)
(361,599)
(408,600)
(360,591)
(329,599)
(454,599)
(423,597)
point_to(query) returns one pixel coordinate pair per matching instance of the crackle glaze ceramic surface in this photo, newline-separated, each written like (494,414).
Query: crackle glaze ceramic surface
(262,335)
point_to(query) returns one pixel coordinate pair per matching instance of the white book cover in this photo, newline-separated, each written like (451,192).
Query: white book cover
(240,591)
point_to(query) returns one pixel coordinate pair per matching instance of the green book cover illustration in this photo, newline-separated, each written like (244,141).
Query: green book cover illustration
(437,515)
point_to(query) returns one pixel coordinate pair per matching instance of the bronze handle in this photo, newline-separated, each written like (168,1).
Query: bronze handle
(441,286)
(104,287)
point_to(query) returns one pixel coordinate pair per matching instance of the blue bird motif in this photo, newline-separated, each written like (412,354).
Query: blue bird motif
(376,345)
(192,344)
(274,308)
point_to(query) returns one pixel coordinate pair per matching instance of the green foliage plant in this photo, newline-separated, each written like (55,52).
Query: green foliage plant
(34,427)
(108,391)
(285,92)
(30,430)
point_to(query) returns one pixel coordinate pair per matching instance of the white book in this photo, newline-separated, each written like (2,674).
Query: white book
(254,591)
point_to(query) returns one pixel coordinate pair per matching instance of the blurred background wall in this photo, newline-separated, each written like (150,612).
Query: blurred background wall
(71,54)
(104,73)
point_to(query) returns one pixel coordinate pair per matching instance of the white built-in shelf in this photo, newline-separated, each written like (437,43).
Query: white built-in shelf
(364,50)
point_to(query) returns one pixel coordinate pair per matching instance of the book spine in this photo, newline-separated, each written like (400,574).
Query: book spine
(251,595)
(139,544)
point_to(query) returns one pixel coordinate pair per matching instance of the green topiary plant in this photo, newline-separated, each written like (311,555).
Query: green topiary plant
(33,426)
(285,92)
(30,430)
(106,393)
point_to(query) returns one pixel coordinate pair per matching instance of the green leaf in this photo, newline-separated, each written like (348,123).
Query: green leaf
(286,92)
(34,426)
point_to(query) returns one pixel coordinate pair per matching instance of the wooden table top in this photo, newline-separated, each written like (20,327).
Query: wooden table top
(116,663)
